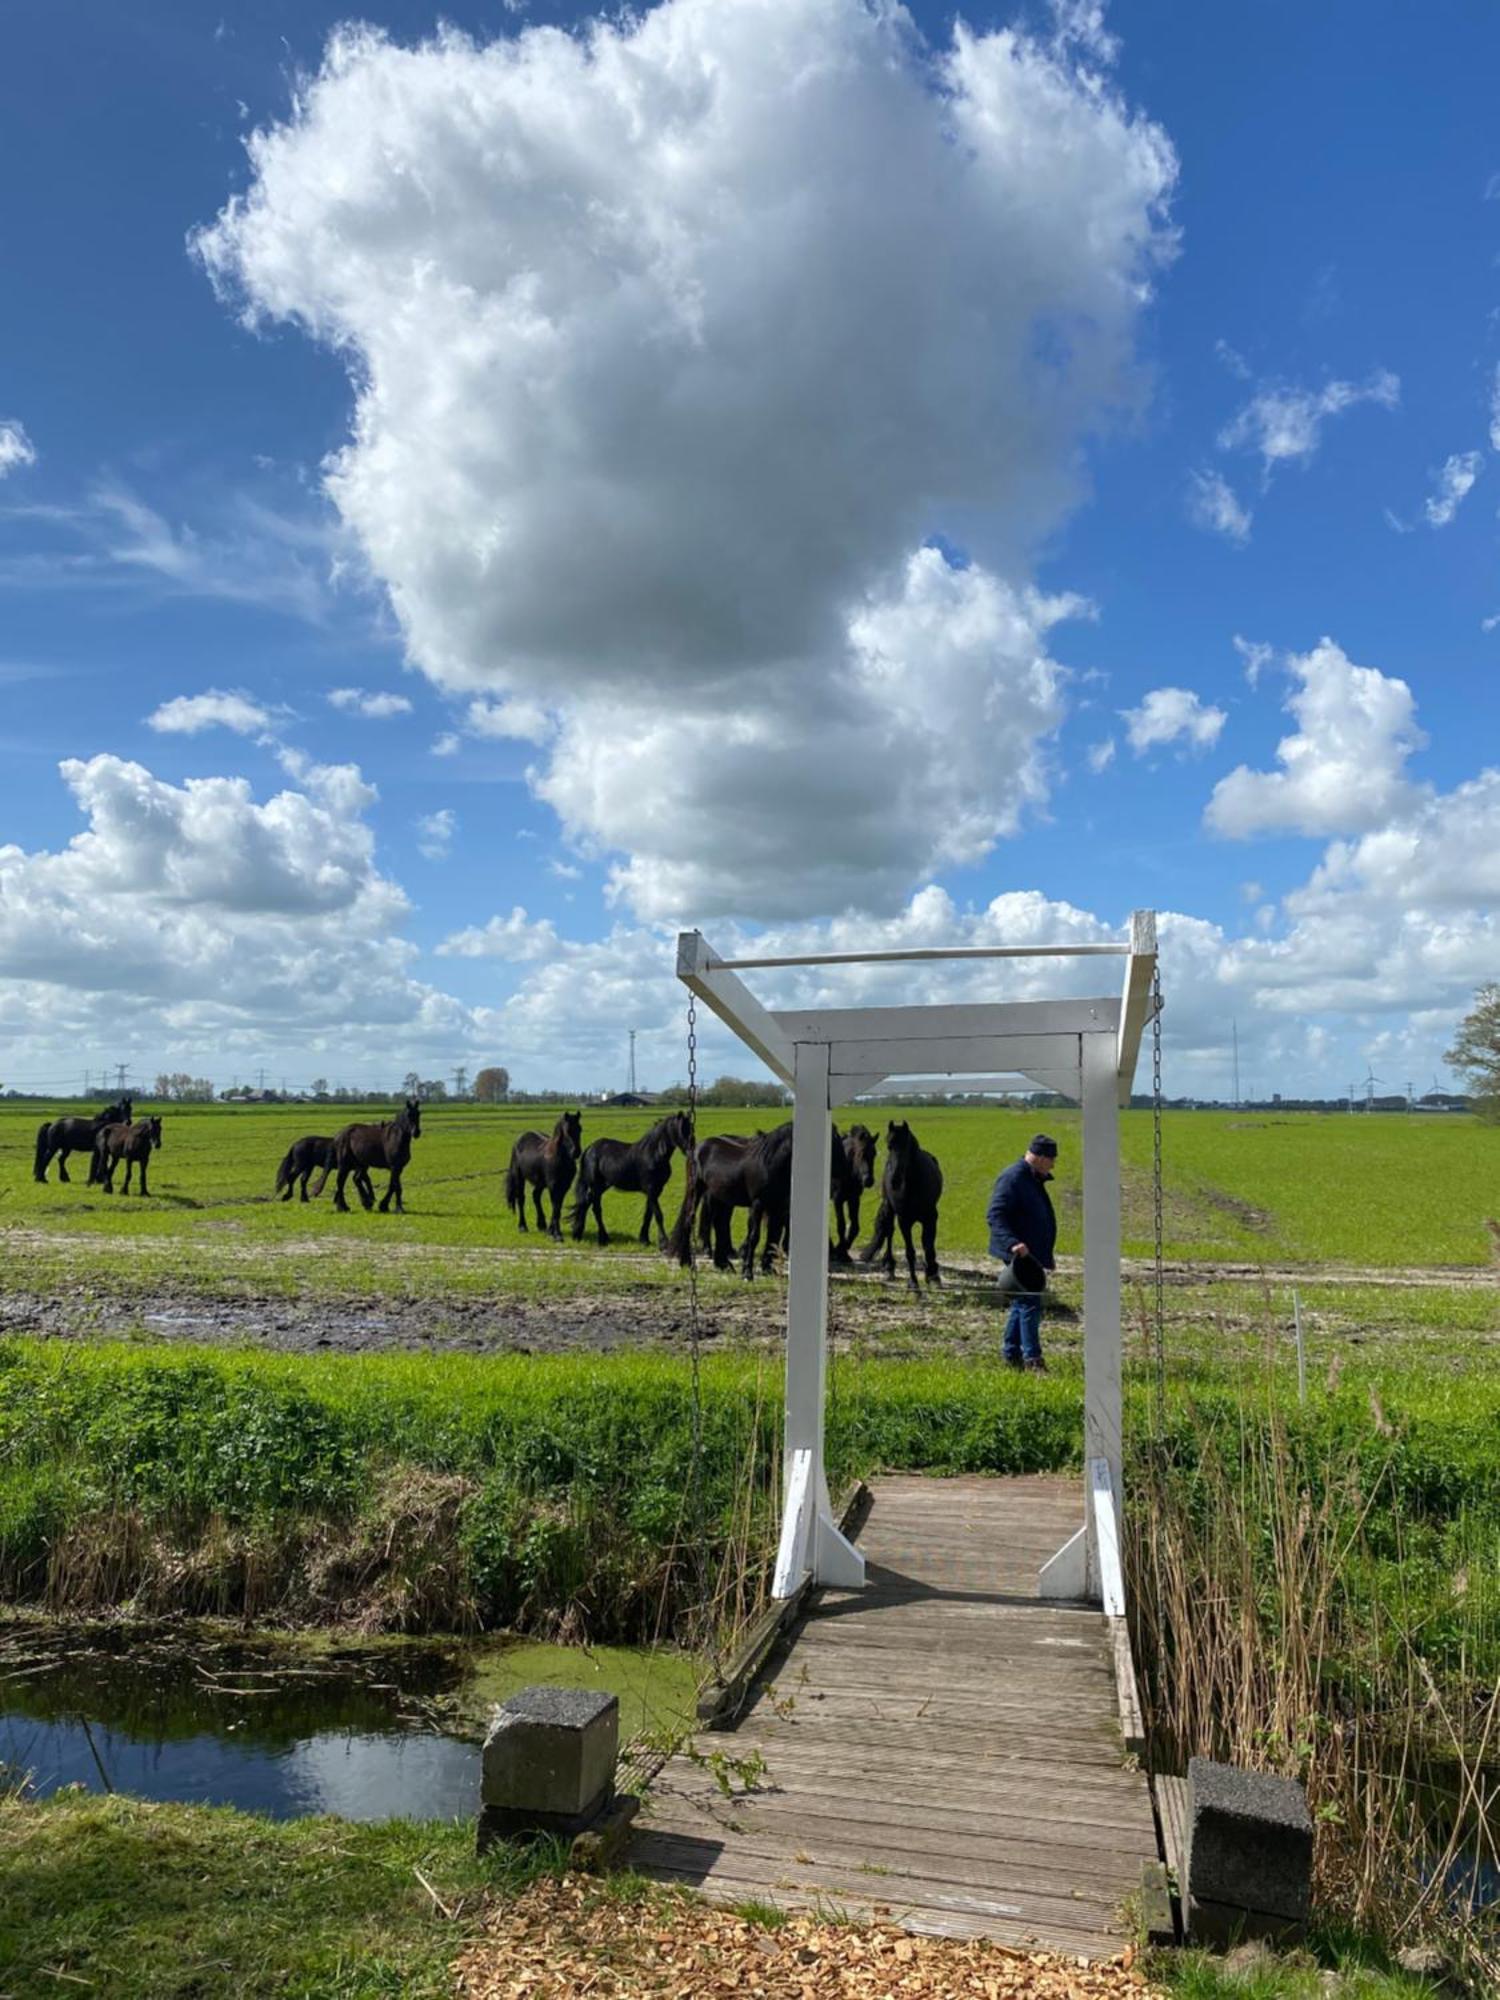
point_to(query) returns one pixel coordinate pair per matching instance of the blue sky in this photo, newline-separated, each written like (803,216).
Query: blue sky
(1257,287)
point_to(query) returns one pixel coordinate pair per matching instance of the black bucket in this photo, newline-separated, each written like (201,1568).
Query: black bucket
(1021,1277)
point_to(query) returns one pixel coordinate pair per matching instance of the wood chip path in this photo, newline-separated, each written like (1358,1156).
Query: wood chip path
(940,1751)
(571,1939)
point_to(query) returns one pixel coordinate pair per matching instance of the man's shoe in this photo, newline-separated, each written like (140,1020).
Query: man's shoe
(1012,1360)
(1036,1366)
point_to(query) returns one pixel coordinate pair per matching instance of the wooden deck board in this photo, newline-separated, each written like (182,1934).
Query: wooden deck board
(941,1749)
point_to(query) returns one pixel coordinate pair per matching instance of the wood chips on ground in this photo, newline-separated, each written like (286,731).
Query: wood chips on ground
(572,1938)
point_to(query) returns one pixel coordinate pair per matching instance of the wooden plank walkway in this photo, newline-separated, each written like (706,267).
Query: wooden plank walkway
(941,1749)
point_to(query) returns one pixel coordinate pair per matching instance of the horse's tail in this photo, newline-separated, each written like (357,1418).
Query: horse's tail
(330,1161)
(515,1186)
(680,1242)
(885,1224)
(578,1214)
(284,1171)
(43,1151)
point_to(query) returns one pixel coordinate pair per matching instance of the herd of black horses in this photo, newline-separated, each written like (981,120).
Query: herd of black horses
(729,1171)
(751,1171)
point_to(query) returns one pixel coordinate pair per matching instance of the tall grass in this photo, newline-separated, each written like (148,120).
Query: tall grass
(1299,1609)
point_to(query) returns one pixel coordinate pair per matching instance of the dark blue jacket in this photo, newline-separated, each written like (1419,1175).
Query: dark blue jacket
(1020,1211)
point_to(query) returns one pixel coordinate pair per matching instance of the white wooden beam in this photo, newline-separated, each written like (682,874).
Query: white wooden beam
(1103,1420)
(933,1024)
(959,1055)
(1135,1004)
(725,994)
(822,1548)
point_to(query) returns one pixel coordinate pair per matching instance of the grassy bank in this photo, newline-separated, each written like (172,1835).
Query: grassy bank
(547,1492)
(186,1903)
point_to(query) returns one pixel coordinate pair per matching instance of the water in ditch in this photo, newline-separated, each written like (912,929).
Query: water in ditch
(368,1732)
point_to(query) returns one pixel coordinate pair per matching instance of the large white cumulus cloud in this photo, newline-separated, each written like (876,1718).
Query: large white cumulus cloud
(673,343)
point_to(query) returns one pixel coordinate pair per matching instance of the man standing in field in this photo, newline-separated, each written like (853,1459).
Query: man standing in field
(1023,1227)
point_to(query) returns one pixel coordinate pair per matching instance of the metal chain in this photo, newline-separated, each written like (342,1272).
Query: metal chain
(1159,1328)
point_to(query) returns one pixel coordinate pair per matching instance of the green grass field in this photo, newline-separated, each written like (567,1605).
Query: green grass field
(1300,1190)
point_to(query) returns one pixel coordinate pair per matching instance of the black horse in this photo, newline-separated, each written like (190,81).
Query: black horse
(853,1172)
(134,1144)
(755,1173)
(642,1168)
(61,1136)
(549,1164)
(303,1159)
(359,1147)
(910,1190)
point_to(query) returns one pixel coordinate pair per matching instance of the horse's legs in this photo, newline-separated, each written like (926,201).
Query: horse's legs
(723,1235)
(751,1243)
(129,1170)
(888,1237)
(305,1179)
(541,1213)
(555,1230)
(599,1216)
(366,1188)
(140,1186)
(62,1163)
(843,1236)
(911,1253)
(929,1249)
(338,1194)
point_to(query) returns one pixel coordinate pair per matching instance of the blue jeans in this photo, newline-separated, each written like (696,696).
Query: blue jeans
(1023,1330)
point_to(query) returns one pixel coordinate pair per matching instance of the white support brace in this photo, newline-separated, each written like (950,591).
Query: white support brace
(1135,1004)
(1107,1539)
(726,994)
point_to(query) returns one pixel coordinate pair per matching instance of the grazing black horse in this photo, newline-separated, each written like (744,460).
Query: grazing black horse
(642,1168)
(303,1159)
(61,1136)
(853,1172)
(359,1147)
(540,1163)
(910,1190)
(134,1144)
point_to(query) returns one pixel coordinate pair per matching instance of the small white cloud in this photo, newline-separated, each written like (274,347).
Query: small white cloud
(1101,755)
(1232,359)
(1489,624)
(1454,484)
(374,707)
(445,745)
(1283,423)
(1256,655)
(514,719)
(435,833)
(1343,771)
(516,938)
(566,870)
(16,449)
(1213,504)
(1172,715)
(1495,411)
(188,714)
(1252,892)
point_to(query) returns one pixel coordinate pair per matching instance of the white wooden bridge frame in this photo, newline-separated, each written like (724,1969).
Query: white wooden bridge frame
(1083,1049)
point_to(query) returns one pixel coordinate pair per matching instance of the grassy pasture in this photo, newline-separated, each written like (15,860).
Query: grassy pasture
(1383,1191)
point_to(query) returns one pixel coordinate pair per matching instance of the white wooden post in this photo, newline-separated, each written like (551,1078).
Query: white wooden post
(1103,1416)
(810,1540)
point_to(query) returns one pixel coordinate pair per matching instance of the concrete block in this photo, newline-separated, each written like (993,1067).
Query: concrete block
(1248,1866)
(549,1762)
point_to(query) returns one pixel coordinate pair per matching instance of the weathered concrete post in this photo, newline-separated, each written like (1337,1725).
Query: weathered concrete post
(549,1765)
(1248,1867)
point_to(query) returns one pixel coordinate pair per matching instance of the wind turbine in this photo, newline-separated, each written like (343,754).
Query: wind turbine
(1371,1079)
